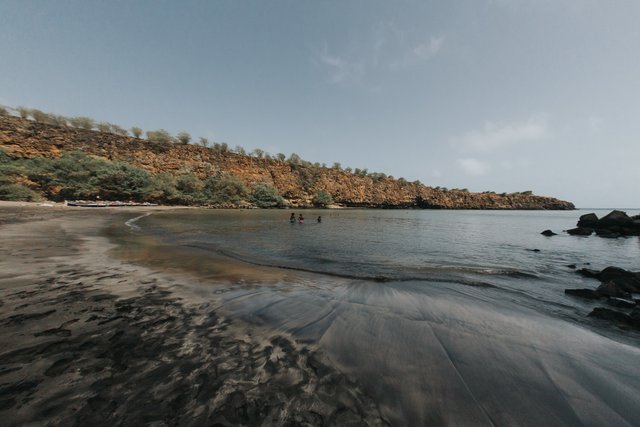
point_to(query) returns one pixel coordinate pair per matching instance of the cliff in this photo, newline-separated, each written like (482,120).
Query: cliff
(297,183)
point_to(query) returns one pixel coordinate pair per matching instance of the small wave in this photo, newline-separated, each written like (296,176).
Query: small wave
(132,222)
(380,278)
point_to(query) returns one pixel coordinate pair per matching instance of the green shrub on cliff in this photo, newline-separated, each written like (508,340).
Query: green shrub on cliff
(24,112)
(183,137)
(224,189)
(120,181)
(83,122)
(78,176)
(136,132)
(159,136)
(265,196)
(18,193)
(322,199)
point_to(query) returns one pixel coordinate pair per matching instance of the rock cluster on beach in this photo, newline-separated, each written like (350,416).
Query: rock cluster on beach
(615,224)
(617,290)
(296,183)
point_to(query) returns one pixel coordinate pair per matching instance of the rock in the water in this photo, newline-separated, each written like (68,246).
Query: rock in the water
(588,272)
(614,218)
(579,231)
(548,233)
(588,220)
(610,289)
(608,233)
(613,225)
(621,303)
(628,281)
(613,316)
(583,293)
(573,266)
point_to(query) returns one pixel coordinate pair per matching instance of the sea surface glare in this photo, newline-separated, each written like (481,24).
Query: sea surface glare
(443,317)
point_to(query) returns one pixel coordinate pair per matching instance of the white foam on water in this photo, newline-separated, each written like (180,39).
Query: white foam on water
(132,222)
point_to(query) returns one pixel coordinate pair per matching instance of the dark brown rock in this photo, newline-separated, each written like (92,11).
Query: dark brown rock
(621,303)
(579,231)
(610,289)
(618,317)
(589,220)
(548,233)
(614,218)
(583,293)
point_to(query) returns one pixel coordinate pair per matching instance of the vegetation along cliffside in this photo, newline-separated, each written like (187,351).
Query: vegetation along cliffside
(50,157)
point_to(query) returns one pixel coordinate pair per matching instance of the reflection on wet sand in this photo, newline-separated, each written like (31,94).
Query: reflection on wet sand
(430,354)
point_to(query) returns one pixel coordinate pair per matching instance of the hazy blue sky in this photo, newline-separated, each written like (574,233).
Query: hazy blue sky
(504,95)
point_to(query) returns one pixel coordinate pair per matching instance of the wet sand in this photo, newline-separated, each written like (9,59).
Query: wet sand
(152,332)
(87,339)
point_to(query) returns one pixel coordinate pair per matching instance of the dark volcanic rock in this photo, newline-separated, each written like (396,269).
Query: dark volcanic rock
(614,218)
(613,225)
(548,233)
(588,272)
(579,231)
(610,289)
(628,281)
(583,293)
(621,303)
(612,315)
(588,220)
(608,233)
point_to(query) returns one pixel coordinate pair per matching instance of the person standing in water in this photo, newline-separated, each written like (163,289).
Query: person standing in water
(292,218)
(301,219)
(319,219)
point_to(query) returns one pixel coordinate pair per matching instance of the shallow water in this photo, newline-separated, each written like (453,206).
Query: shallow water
(444,317)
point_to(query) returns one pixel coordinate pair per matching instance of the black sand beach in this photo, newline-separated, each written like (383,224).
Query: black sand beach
(88,340)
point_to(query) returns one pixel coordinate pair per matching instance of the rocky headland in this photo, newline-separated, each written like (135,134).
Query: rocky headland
(296,182)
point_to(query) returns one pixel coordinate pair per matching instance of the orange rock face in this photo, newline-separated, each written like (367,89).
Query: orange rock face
(22,138)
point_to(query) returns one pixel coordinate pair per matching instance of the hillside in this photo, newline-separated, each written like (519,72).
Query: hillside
(297,183)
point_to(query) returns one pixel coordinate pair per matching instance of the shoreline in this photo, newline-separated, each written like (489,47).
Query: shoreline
(91,339)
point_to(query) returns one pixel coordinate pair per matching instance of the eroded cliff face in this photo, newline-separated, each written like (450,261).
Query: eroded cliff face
(22,138)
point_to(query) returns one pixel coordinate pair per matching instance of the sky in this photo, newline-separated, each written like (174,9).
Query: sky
(488,95)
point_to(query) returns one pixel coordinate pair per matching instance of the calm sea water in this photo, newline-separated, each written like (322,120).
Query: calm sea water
(445,317)
(498,250)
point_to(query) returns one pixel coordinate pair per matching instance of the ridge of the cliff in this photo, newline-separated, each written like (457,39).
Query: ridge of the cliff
(297,183)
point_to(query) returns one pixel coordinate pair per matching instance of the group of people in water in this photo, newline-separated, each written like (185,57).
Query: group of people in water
(292,219)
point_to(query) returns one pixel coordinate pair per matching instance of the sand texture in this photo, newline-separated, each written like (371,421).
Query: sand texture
(88,340)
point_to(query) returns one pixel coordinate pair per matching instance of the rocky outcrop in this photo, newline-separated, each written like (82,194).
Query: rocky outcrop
(22,138)
(614,224)
(617,289)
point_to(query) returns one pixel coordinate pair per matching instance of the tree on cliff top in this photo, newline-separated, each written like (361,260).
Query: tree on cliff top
(160,136)
(183,137)
(83,122)
(136,131)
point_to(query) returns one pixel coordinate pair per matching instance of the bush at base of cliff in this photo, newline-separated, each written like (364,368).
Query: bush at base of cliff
(322,199)
(78,176)
(224,189)
(265,196)
(18,193)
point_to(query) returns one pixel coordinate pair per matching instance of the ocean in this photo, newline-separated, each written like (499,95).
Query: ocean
(444,317)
